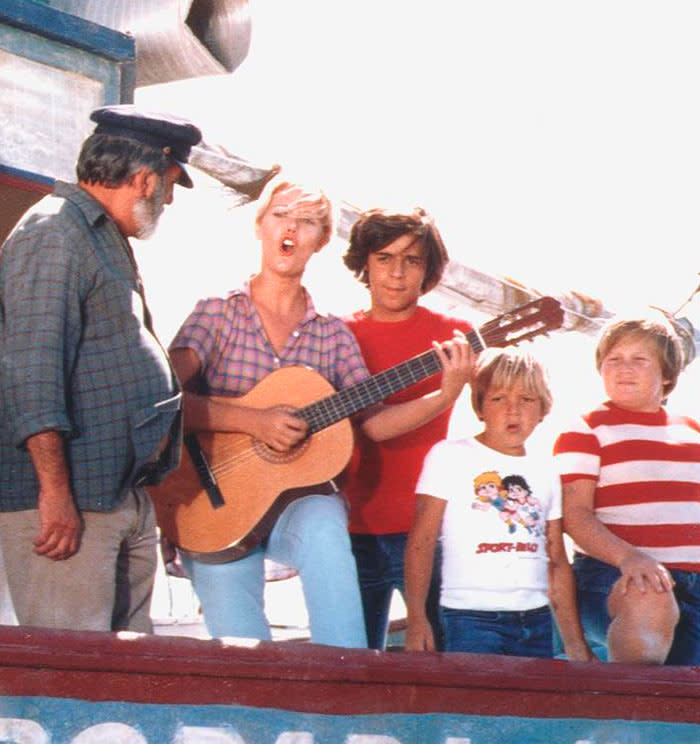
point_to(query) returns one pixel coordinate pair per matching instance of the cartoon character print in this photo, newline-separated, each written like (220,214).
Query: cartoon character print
(512,498)
(527,506)
(489,491)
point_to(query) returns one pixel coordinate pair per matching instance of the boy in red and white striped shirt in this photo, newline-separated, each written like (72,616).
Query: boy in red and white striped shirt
(631,487)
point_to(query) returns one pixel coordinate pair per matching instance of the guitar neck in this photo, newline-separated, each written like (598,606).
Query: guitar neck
(361,395)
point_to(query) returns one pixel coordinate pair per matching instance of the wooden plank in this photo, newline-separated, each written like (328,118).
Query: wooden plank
(322,679)
(68,29)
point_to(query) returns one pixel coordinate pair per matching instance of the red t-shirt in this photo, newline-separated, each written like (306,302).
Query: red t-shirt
(382,476)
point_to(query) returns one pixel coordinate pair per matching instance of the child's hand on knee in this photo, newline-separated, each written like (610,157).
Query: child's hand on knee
(643,571)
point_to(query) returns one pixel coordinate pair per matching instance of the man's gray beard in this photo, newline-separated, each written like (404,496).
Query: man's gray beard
(147,212)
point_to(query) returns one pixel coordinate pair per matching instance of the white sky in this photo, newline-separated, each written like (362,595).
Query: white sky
(555,142)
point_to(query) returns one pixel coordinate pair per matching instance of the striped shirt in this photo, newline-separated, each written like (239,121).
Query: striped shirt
(228,336)
(647,470)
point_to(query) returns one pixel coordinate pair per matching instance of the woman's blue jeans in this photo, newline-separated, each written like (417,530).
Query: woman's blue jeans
(311,535)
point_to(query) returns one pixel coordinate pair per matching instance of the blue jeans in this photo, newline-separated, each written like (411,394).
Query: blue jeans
(311,535)
(380,568)
(511,633)
(595,580)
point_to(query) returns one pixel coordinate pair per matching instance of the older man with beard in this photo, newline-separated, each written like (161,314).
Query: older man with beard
(89,405)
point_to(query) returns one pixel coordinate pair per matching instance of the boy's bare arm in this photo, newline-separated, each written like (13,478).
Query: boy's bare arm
(418,568)
(562,595)
(599,542)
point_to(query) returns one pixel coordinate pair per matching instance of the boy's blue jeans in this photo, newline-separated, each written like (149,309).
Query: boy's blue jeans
(511,633)
(311,535)
(594,581)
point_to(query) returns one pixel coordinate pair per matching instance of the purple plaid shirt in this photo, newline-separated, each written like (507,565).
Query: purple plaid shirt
(227,335)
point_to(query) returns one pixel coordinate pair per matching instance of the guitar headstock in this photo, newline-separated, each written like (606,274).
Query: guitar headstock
(536,318)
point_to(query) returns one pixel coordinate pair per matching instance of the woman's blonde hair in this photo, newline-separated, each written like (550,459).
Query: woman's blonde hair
(308,197)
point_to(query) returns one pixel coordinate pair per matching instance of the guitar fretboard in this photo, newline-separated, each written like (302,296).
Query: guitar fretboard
(361,395)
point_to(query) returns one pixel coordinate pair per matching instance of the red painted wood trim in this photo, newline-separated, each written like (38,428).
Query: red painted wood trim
(318,679)
(25,184)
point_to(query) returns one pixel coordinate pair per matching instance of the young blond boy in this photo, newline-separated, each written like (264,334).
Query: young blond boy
(631,488)
(496,560)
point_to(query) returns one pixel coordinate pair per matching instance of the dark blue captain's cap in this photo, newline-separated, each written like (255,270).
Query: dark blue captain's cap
(174,136)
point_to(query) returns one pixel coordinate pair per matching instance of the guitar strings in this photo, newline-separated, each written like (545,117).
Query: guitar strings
(327,411)
(324,412)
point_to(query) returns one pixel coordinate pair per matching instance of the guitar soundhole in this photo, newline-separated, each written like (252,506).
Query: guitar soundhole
(275,457)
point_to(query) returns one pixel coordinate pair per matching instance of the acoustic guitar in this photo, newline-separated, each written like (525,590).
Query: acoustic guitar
(229,489)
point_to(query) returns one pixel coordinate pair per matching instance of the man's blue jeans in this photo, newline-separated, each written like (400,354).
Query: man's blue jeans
(594,581)
(311,535)
(380,568)
(511,633)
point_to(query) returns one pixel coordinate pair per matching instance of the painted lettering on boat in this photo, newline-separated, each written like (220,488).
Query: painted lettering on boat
(24,731)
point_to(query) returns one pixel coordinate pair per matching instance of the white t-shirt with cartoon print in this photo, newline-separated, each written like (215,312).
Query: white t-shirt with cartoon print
(493,530)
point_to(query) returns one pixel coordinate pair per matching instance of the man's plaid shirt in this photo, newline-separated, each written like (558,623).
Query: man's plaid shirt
(77,357)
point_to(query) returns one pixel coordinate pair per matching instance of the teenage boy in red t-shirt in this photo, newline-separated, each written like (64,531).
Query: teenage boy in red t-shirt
(399,257)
